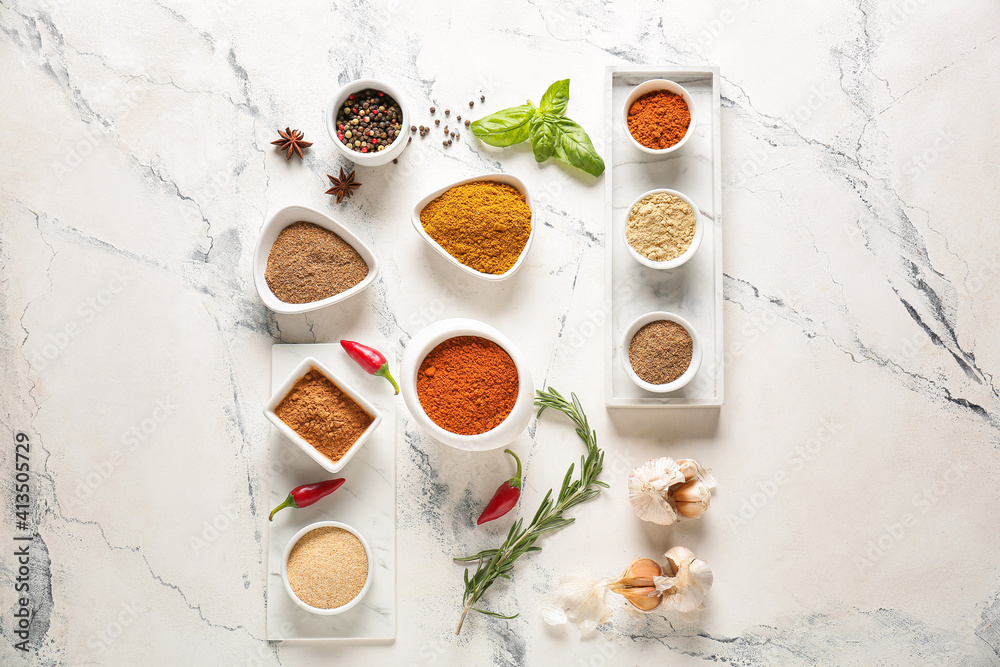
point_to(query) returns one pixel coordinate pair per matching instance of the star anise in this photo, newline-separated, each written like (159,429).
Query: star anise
(344,186)
(292,141)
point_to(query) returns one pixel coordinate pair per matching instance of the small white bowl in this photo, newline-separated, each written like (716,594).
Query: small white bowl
(506,179)
(433,335)
(304,367)
(648,87)
(642,321)
(284,217)
(699,232)
(379,158)
(288,551)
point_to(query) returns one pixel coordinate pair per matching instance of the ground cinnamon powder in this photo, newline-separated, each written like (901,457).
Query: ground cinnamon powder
(325,417)
(659,119)
(467,385)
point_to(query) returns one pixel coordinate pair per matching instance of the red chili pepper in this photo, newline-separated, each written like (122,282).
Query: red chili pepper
(307,494)
(370,359)
(505,497)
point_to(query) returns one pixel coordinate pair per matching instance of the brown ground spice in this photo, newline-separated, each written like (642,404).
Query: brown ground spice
(659,119)
(327,567)
(484,225)
(308,263)
(325,417)
(467,385)
(660,352)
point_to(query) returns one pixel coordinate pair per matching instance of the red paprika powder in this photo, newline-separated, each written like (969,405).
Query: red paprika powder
(659,119)
(467,385)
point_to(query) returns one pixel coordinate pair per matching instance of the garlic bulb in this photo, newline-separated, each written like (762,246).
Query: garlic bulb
(692,470)
(691,578)
(648,486)
(638,584)
(579,598)
(692,498)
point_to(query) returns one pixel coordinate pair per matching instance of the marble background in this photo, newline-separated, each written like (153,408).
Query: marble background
(860,157)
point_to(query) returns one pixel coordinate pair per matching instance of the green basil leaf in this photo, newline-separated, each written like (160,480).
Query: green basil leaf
(556,98)
(505,128)
(575,148)
(544,135)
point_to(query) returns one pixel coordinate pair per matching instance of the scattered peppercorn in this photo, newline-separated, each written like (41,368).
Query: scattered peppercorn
(482,98)
(413,128)
(444,143)
(467,122)
(433,109)
(437,121)
(447,112)
(395,161)
(409,139)
(471,103)
(458,136)
(446,129)
(458,118)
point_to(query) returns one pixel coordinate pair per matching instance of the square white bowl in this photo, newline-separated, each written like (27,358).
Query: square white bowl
(277,221)
(505,179)
(304,367)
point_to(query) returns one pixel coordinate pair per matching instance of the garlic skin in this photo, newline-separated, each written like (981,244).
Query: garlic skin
(691,580)
(648,486)
(692,498)
(579,598)
(694,470)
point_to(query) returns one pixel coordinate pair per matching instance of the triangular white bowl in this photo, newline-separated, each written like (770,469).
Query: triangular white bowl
(273,225)
(506,179)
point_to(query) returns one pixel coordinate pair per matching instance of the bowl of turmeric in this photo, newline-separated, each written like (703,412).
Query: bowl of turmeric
(467,384)
(483,225)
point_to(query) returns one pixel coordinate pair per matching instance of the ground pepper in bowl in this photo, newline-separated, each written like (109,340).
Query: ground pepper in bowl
(310,263)
(484,224)
(467,385)
(659,119)
(660,352)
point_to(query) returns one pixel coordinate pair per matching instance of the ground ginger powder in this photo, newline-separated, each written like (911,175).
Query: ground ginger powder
(484,225)
(661,227)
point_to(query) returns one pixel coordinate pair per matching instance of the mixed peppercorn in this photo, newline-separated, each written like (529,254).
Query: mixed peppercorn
(369,121)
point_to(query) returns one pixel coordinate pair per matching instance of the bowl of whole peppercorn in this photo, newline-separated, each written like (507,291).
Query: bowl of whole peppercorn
(368,120)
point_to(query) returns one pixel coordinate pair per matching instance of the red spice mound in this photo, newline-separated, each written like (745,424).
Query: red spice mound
(659,119)
(467,385)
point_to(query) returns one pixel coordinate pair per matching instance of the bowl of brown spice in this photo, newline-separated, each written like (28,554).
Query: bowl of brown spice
(659,116)
(662,229)
(306,260)
(467,384)
(483,225)
(327,418)
(661,352)
(327,568)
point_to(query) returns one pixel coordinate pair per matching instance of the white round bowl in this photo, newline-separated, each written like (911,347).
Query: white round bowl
(368,159)
(696,353)
(699,232)
(433,335)
(506,179)
(273,225)
(284,568)
(648,87)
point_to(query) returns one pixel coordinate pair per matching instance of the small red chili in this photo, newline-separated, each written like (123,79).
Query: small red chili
(307,494)
(370,359)
(505,497)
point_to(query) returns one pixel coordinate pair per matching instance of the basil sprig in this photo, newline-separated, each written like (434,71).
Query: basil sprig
(551,133)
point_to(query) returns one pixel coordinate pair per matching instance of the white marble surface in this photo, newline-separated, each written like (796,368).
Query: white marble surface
(860,146)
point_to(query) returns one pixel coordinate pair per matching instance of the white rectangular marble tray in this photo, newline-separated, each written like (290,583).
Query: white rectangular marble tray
(366,501)
(694,290)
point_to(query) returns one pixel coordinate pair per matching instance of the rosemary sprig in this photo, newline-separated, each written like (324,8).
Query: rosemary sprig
(492,564)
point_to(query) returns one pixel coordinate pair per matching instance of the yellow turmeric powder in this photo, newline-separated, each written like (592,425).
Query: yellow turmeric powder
(484,225)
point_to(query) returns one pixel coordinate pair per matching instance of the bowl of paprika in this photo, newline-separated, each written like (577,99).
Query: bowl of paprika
(467,384)
(659,116)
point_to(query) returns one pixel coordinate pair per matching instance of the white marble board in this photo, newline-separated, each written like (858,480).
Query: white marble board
(366,501)
(693,290)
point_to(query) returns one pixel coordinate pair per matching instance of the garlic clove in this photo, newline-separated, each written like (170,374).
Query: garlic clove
(691,579)
(643,598)
(640,573)
(692,498)
(647,490)
(692,470)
